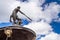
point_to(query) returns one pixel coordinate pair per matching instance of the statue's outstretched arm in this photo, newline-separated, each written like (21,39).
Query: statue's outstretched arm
(25,15)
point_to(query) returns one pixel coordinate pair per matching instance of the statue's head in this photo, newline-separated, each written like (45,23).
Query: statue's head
(18,7)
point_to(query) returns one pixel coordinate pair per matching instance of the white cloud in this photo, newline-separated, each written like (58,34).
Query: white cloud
(33,10)
(5,10)
(39,2)
(51,11)
(51,36)
(41,28)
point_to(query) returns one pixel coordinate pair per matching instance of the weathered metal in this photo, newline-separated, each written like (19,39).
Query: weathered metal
(18,33)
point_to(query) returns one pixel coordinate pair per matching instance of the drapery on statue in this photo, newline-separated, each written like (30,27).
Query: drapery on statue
(15,17)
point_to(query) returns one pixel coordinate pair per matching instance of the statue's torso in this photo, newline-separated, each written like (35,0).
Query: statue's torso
(15,11)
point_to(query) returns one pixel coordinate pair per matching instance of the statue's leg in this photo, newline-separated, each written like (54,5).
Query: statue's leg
(19,21)
(14,20)
(10,18)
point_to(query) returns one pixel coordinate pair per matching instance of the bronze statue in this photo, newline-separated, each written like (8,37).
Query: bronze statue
(16,32)
(15,17)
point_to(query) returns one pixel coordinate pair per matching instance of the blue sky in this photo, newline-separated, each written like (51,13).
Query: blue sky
(48,15)
(56,25)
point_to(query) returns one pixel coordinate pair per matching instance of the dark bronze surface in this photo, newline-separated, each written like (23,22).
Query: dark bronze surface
(19,33)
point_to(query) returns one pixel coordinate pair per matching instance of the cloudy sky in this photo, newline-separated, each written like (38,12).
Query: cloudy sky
(44,13)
